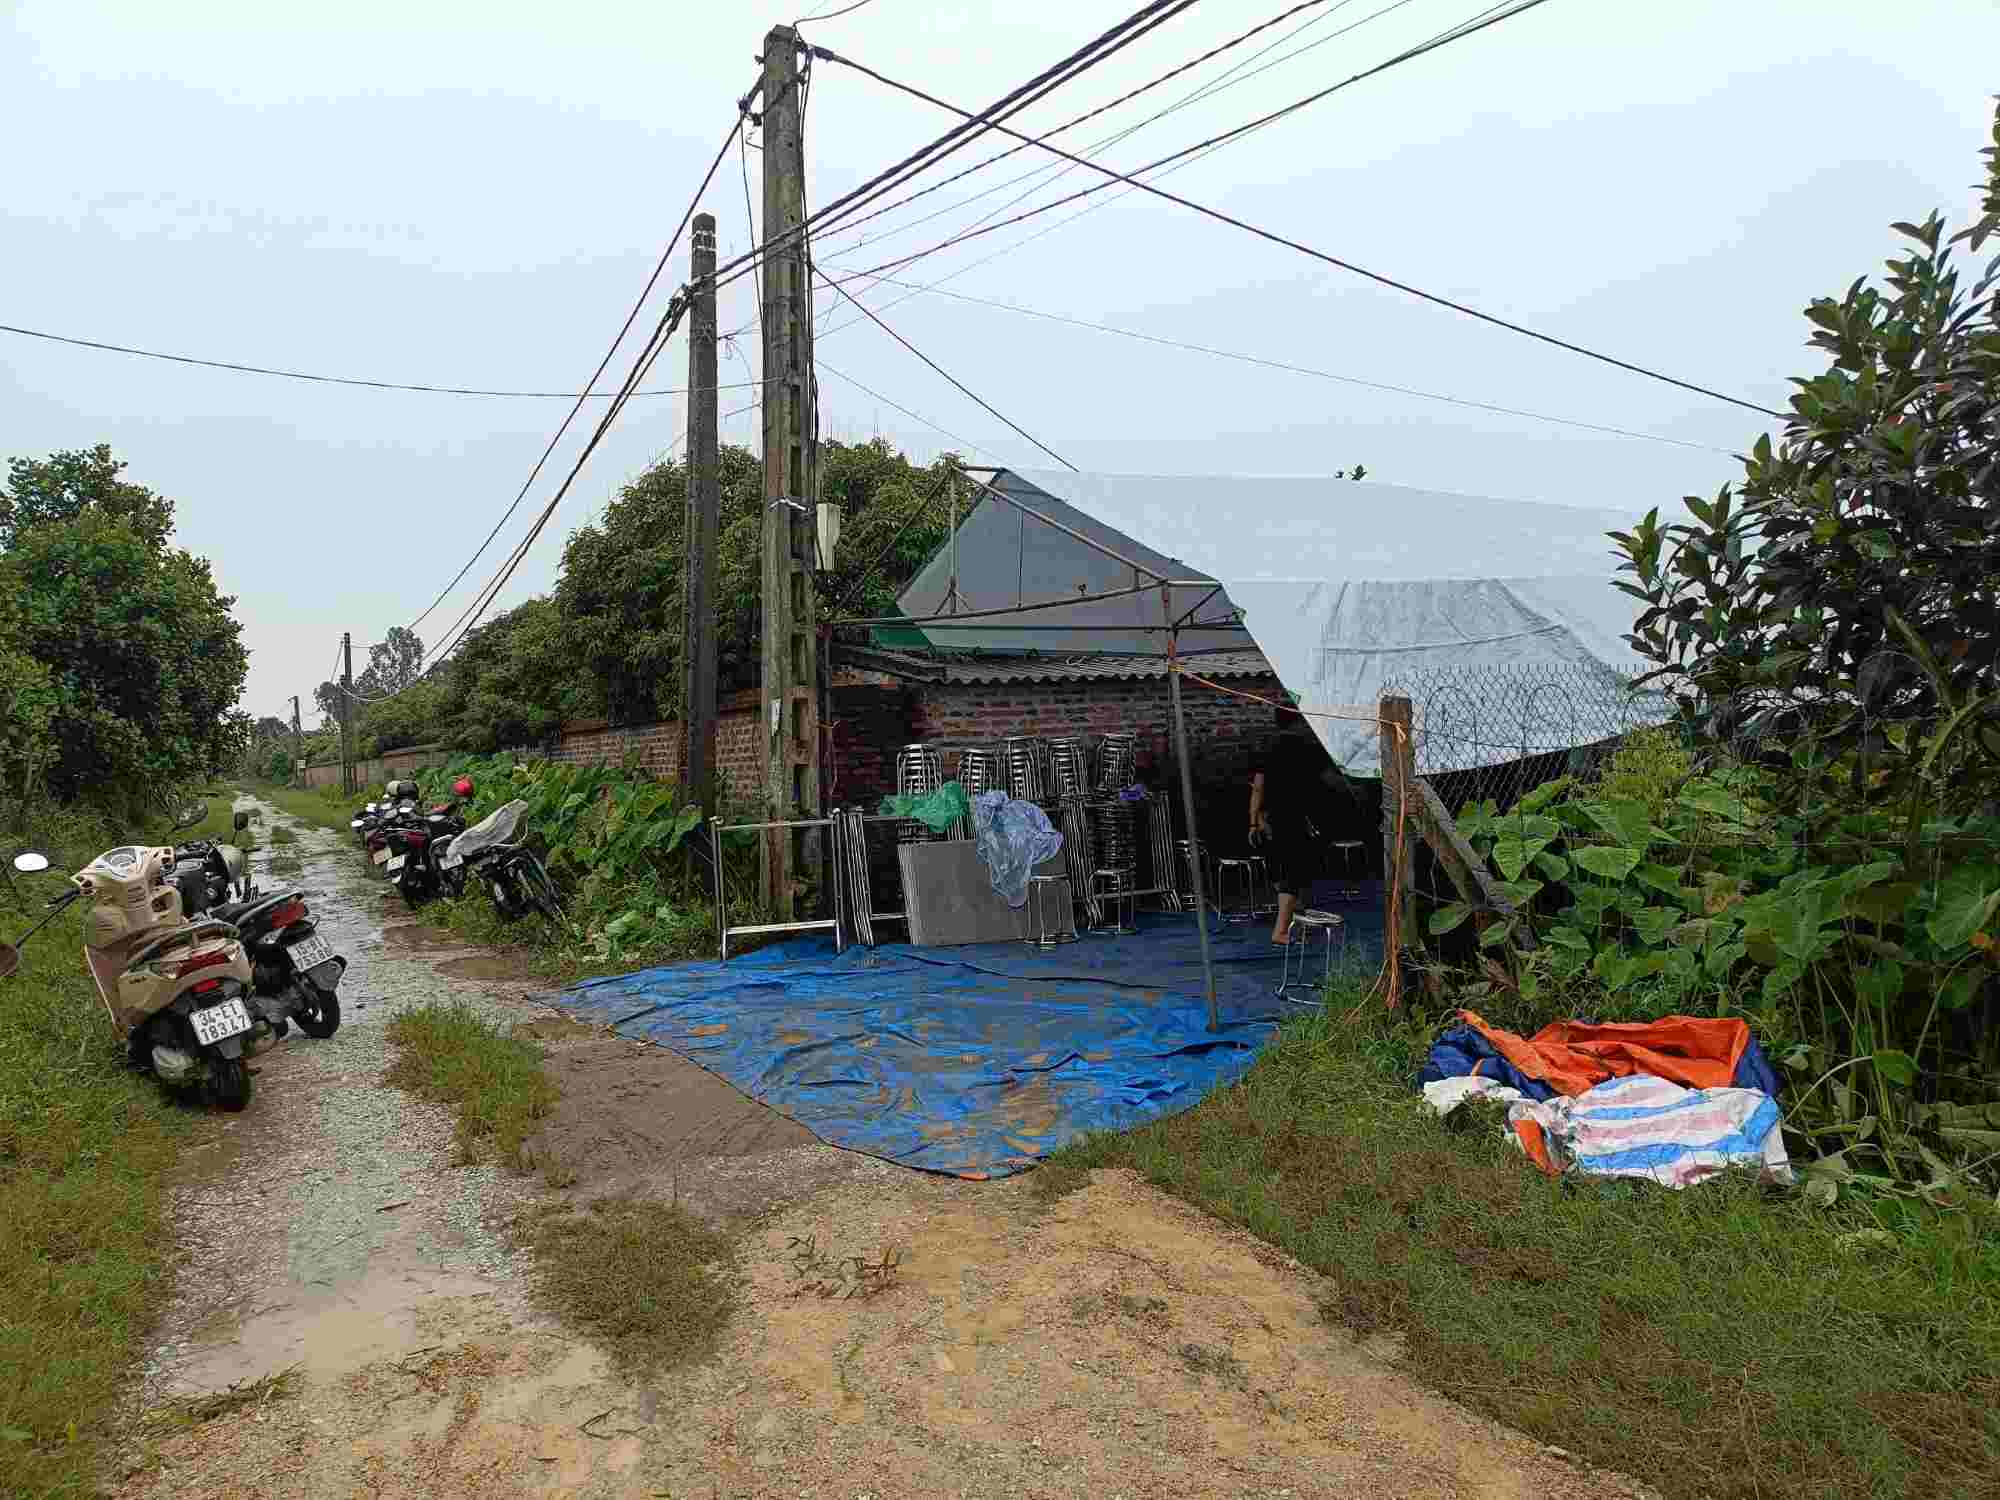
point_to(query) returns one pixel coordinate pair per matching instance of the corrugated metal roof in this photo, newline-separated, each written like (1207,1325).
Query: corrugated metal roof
(1010,669)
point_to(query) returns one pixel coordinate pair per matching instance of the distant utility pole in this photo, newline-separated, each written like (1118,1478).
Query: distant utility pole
(347,712)
(791,650)
(298,743)
(704,502)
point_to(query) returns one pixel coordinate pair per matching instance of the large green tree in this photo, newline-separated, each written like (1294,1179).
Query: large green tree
(144,657)
(64,485)
(620,589)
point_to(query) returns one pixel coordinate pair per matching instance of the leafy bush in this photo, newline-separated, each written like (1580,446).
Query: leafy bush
(1833,620)
(615,839)
(1865,970)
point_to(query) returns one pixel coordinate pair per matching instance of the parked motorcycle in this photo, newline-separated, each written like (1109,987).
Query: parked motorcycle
(400,809)
(177,991)
(295,972)
(210,873)
(514,878)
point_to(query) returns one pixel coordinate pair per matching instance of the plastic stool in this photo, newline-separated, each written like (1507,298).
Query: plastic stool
(1113,890)
(1245,873)
(1326,922)
(1051,917)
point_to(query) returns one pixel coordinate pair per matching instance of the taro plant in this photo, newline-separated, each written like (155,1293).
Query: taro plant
(1866,973)
(614,837)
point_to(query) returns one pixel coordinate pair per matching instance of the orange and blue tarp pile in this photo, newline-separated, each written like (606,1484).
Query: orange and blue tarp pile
(1672,1101)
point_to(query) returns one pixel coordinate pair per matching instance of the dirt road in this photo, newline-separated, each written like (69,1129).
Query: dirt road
(1110,1344)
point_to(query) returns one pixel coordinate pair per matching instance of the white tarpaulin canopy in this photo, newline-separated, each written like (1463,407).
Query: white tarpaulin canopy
(1345,587)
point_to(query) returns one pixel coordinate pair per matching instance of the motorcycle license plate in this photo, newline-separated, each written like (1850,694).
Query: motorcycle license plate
(380,856)
(218,1022)
(309,952)
(394,865)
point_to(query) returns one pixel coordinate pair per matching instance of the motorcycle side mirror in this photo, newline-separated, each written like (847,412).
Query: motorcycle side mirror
(31,863)
(242,820)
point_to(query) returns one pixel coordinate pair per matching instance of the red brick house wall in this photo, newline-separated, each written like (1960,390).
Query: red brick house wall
(875,717)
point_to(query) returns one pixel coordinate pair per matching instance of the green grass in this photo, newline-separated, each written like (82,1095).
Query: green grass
(646,1281)
(1723,1341)
(219,825)
(85,1149)
(323,807)
(495,1082)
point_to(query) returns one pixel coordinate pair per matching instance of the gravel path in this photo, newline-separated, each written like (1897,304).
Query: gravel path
(330,1177)
(1114,1344)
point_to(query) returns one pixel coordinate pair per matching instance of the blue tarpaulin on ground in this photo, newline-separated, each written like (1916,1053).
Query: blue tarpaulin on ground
(978,1060)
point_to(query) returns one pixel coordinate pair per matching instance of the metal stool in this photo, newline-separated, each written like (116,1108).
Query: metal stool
(1245,872)
(1113,890)
(1051,915)
(1260,880)
(1186,851)
(1326,922)
(1349,851)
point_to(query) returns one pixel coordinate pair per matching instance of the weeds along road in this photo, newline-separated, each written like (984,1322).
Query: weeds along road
(353,1313)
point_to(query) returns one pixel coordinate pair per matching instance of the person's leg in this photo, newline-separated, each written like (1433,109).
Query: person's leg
(1281,933)
(1285,867)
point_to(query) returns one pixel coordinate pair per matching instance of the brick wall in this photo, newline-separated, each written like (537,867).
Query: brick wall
(657,746)
(380,768)
(874,717)
(1223,731)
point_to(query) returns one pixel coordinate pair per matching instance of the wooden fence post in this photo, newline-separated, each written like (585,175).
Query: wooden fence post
(1399,831)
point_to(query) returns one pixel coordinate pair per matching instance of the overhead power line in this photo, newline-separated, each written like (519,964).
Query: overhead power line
(1066,70)
(373,385)
(617,405)
(1346,265)
(1230,78)
(1070,124)
(961,385)
(1289,368)
(1236,74)
(914,416)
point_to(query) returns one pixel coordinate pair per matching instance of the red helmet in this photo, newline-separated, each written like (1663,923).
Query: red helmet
(462,787)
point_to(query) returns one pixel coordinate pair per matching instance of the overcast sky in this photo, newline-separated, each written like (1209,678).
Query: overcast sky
(472,194)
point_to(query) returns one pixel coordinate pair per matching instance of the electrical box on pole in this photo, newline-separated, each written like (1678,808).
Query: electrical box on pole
(704,502)
(789,724)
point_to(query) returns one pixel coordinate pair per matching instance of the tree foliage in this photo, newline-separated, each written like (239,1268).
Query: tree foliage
(608,640)
(393,663)
(140,659)
(1843,594)
(64,485)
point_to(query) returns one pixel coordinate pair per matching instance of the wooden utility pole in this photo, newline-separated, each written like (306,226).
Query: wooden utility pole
(790,721)
(1399,831)
(704,502)
(298,744)
(347,712)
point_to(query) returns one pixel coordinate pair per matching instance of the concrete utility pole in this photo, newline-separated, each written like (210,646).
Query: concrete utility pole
(347,712)
(791,649)
(704,502)
(298,743)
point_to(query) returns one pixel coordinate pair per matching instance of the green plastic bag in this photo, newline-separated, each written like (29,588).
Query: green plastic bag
(937,812)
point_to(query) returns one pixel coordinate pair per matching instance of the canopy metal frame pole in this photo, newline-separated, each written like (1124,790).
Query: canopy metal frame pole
(1187,809)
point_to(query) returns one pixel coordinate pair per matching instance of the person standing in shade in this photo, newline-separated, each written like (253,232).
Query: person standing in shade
(1282,779)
